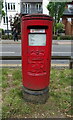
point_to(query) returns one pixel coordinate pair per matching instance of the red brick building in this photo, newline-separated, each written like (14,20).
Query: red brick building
(67,19)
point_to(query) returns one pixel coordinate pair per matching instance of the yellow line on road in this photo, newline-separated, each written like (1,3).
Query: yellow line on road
(19,65)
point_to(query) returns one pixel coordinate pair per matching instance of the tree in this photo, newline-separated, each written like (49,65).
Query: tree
(56,10)
(2,13)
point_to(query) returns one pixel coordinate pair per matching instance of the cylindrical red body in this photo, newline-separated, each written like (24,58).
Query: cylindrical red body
(36,51)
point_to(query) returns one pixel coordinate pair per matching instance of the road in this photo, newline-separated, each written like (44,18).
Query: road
(15,50)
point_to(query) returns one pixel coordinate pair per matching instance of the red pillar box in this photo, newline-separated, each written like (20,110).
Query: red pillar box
(36,56)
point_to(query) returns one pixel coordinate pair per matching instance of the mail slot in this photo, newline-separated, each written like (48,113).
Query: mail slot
(36,54)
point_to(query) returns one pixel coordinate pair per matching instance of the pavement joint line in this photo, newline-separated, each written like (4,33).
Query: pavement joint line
(15,65)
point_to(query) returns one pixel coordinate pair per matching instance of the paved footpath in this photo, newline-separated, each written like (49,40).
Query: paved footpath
(54,42)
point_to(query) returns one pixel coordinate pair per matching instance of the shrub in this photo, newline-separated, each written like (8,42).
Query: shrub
(5,37)
(2,31)
(55,37)
(59,27)
(66,37)
(10,37)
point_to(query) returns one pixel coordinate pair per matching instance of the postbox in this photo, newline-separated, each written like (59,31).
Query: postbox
(36,55)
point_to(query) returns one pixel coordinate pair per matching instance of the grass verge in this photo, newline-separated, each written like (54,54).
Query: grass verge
(58,104)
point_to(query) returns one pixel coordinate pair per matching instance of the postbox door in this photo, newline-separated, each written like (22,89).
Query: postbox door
(37,52)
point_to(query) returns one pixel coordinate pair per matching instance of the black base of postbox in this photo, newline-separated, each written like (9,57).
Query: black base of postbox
(36,96)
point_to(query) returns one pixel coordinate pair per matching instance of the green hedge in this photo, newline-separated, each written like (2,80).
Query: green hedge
(66,37)
(5,37)
(55,37)
(2,31)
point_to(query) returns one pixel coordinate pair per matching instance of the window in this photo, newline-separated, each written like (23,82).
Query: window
(5,19)
(38,7)
(11,6)
(27,8)
(8,6)
(14,6)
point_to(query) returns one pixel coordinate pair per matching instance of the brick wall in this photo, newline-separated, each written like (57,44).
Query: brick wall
(68,26)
